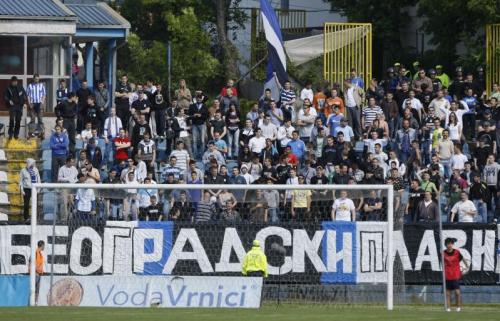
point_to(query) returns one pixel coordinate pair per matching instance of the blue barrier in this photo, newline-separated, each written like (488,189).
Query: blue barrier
(15,290)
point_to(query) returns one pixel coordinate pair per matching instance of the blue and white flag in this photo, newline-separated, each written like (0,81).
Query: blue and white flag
(276,51)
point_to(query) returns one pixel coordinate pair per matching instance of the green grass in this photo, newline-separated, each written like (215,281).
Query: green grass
(267,313)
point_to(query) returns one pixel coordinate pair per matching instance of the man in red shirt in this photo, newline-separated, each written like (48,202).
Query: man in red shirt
(122,144)
(453,273)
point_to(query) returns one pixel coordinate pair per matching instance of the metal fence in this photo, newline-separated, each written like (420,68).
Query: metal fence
(347,46)
(492,56)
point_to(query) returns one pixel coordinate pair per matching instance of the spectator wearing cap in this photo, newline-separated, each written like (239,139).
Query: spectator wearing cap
(416,68)
(345,130)
(16,99)
(445,79)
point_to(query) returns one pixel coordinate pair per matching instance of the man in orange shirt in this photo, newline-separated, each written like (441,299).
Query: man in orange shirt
(333,101)
(319,101)
(38,267)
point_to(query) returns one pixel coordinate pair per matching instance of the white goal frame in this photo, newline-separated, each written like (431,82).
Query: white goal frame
(390,214)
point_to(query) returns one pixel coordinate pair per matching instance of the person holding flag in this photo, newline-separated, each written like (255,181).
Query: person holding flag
(276,62)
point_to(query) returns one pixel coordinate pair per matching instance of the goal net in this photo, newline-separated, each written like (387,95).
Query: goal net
(325,244)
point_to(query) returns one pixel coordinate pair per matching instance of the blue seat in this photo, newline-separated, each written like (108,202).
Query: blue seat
(230,164)
(359,147)
(47,163)
(79,144)
(46,154)
(104,175)
(162,145)
(101,144)
(46,144)
(46,175)
(49,200)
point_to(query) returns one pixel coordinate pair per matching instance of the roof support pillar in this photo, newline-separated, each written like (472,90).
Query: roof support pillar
(89,64)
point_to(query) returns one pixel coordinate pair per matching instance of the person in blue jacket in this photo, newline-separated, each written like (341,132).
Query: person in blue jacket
(59,144)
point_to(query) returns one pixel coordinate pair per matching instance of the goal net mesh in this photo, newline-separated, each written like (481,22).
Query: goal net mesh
(324,246)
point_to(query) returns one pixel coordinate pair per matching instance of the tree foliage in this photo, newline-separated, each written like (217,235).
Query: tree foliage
(201,50)
(459,21)
(387,17)
(191,58)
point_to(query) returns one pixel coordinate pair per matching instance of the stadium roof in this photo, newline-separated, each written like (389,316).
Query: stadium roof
(86,13)
(35,10)
(97,15)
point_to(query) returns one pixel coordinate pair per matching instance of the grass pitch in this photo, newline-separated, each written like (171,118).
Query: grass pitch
(283,313)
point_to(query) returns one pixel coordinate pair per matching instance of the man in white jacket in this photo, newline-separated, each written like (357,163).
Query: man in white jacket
(29,175)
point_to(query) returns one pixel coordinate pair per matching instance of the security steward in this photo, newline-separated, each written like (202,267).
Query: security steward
(255,261)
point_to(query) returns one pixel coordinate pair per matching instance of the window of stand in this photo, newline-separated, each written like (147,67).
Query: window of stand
(48,56)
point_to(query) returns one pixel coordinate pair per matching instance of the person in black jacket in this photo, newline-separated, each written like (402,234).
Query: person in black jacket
(140,128)
(159,102)
(199,114)
(15,98)
(94,153)
(83,94)
(67,110)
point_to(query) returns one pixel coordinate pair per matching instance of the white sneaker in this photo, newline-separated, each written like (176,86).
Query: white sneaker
(448,310)
(459,309)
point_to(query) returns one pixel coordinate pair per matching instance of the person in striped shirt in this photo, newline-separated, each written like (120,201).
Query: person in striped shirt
(370,112)
(182,156)
(36,97)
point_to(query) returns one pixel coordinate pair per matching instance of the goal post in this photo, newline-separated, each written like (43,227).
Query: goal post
(315,231)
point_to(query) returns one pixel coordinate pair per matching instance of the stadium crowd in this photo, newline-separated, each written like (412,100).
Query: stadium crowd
(434,138)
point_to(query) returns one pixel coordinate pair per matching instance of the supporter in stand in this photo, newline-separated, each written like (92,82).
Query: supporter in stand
(411,134)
